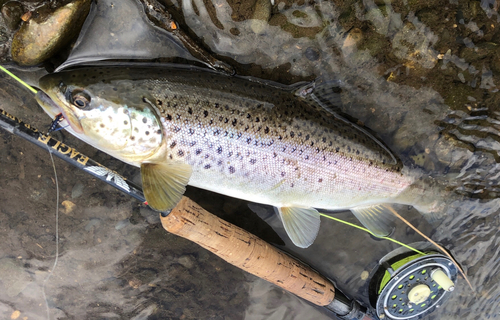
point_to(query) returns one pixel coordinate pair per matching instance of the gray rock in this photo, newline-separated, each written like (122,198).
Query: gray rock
(11,13)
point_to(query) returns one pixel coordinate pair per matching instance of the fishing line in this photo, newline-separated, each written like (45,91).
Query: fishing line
(368,231)
(57,236)
(57,200)
(19,80)
(434,243)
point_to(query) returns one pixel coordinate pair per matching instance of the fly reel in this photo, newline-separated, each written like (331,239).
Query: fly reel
(408,286)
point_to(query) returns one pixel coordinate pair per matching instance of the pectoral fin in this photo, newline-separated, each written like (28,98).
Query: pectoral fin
(164,183)
(301,224)
(375,218)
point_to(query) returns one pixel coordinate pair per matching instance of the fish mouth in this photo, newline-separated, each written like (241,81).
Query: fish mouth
(53,109)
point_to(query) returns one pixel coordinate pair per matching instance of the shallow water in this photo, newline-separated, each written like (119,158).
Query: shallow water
(424,78)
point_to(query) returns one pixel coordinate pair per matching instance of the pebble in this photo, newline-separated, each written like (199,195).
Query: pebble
(92,223)
(122,224)
(77,190)
(311,54)
(11,13)
(68,206)
(18,278)
(261,15)
(186,261)
(44,34)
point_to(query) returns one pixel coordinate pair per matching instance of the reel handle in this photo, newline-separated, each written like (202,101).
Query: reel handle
(247,252)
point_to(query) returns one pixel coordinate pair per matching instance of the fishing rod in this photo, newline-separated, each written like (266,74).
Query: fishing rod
(233,244)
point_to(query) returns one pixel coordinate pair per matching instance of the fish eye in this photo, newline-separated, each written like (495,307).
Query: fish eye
(80,99)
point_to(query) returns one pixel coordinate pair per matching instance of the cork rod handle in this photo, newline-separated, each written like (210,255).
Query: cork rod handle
(247,252)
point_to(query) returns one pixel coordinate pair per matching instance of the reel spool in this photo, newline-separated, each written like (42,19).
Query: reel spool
(408,286)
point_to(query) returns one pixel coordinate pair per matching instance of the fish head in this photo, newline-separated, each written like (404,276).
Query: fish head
(106,113)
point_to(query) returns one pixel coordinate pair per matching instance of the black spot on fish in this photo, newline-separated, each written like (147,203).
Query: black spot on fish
(257,119)
(283,173)
(266,130)
(192,144)
(207,166)
(337,149)
(158,131)
(216,105)
(219,163)
(205,113)
(145,120)
(235,122)
(147,133)
(159,102)
(307,137)
(190,110)
(180,153)
(230,154)
(136,129)
(219,150)
(248,116)
(292,134)
(253,161)
(173,144)
(132,138)
(125,122)
(198,151)
(231,170)
(320,180)
(169,117)
(102,125)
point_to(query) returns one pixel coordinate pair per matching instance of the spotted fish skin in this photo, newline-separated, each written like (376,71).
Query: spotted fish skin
(242,138)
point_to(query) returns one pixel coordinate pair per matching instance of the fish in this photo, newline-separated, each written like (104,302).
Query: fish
(242,137)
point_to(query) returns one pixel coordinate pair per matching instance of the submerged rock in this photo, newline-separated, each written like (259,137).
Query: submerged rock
(11,13)
(44,34)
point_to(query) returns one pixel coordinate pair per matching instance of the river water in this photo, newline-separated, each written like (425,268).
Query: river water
(423,76)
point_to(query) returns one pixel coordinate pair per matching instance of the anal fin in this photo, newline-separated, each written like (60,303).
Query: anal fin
(377,218)
(301,224)
(164,183)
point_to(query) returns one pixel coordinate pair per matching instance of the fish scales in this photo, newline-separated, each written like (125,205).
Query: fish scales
(262,144)
(236,136)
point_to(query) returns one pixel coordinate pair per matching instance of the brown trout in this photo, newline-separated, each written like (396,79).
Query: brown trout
(237,137)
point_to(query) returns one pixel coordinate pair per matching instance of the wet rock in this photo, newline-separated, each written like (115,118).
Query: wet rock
(93,223)
(18,278)
(152,217)
(46,33)
(311,54)
(261,15)
(11,13)
(3,36)
(77,190)
(187,261)
(122,224)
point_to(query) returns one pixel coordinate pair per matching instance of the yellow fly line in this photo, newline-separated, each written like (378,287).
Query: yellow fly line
(19,80)
(366,230)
